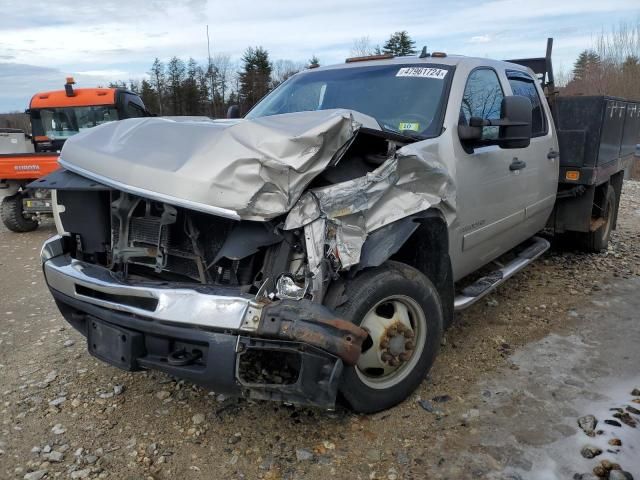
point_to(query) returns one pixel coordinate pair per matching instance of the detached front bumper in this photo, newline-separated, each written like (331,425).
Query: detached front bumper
(217,337)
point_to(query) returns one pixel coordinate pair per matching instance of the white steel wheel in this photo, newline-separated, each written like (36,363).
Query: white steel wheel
(397,329)
(400,309)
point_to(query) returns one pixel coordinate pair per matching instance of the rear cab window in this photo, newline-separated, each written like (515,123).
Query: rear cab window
(524,85)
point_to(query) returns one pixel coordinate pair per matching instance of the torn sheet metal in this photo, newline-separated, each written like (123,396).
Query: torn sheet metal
(313,324)
(255,169)
(314,235)
(412,180)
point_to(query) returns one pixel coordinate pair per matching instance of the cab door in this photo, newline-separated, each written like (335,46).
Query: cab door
(541,156)
(491,190)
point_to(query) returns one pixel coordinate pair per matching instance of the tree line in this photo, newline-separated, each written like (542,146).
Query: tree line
(610,67)
(186,87)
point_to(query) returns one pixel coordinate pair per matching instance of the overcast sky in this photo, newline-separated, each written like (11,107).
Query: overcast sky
(41,42)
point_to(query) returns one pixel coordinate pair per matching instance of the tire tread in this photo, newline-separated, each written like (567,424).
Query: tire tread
(11,212)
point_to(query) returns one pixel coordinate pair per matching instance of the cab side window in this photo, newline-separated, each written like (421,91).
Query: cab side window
(523,85)
(482,98)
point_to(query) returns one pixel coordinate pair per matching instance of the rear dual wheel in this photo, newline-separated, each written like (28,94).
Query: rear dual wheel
(401,310)
(598,240)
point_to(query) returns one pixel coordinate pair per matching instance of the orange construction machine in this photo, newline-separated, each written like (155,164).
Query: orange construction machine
(55,116)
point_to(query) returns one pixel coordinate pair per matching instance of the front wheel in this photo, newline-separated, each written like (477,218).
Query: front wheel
(13,216)
(401,310)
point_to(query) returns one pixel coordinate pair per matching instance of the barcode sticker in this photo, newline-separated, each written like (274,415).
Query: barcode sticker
(422,72)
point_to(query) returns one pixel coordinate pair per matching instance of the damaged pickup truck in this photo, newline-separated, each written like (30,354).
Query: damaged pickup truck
(319,246)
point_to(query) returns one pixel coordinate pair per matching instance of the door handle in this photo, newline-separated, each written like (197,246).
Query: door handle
(517,164)
(553,154)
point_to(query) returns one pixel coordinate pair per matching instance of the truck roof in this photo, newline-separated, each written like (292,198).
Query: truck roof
(449,60)
(83,97)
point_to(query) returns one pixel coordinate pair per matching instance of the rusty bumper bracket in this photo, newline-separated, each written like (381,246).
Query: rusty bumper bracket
(314,324)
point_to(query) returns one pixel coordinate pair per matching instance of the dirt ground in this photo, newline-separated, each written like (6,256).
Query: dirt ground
(558,341)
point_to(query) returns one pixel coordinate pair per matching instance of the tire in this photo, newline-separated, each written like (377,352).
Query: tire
(598,240)
(12,217)
(375,300)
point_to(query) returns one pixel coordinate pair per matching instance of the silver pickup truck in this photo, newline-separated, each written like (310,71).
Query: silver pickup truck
(318,247)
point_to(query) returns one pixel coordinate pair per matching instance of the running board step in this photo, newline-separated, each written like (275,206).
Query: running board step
(481,287)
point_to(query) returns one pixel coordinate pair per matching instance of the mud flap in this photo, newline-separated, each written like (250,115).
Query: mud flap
(316,378)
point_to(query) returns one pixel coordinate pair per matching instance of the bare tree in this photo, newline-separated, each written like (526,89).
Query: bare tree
(158,78)
(619,50)
(618,67)
(283,69)
(362,47)
(223,70)
(17,120)
(561,76)
(619,43)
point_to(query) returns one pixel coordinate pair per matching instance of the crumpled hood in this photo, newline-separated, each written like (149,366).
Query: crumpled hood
(253,169)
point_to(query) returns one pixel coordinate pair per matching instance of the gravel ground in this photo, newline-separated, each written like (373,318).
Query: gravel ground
(66,415)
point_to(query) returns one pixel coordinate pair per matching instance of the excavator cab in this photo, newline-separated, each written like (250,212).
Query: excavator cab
(58,115)
(55,116)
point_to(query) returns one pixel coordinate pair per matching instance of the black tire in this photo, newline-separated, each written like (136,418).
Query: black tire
(367,291)
(598,240)
(12,217)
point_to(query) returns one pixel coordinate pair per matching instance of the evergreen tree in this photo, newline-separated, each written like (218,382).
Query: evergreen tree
(631,63)
(314,62)
(134,86)
(175,78)
(255,77)
(157,76)
(400,44)
(233,98)
(203,82)
(588,62)
(149,95)
(191,90)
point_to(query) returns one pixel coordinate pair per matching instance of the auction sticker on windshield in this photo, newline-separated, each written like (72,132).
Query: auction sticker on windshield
(409,126)
(422,72)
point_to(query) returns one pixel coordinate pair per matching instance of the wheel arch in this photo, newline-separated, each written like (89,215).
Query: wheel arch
(420,241)
(10,187)
(427,250)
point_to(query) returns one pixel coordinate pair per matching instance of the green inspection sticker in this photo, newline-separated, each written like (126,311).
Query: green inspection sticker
(409,126)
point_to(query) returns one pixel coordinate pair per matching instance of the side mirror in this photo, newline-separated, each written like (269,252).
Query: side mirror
(516,116)
(470,133)
(516,113)
(233,111)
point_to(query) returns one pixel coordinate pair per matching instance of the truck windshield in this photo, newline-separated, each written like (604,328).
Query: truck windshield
(59,123)
(405,99)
